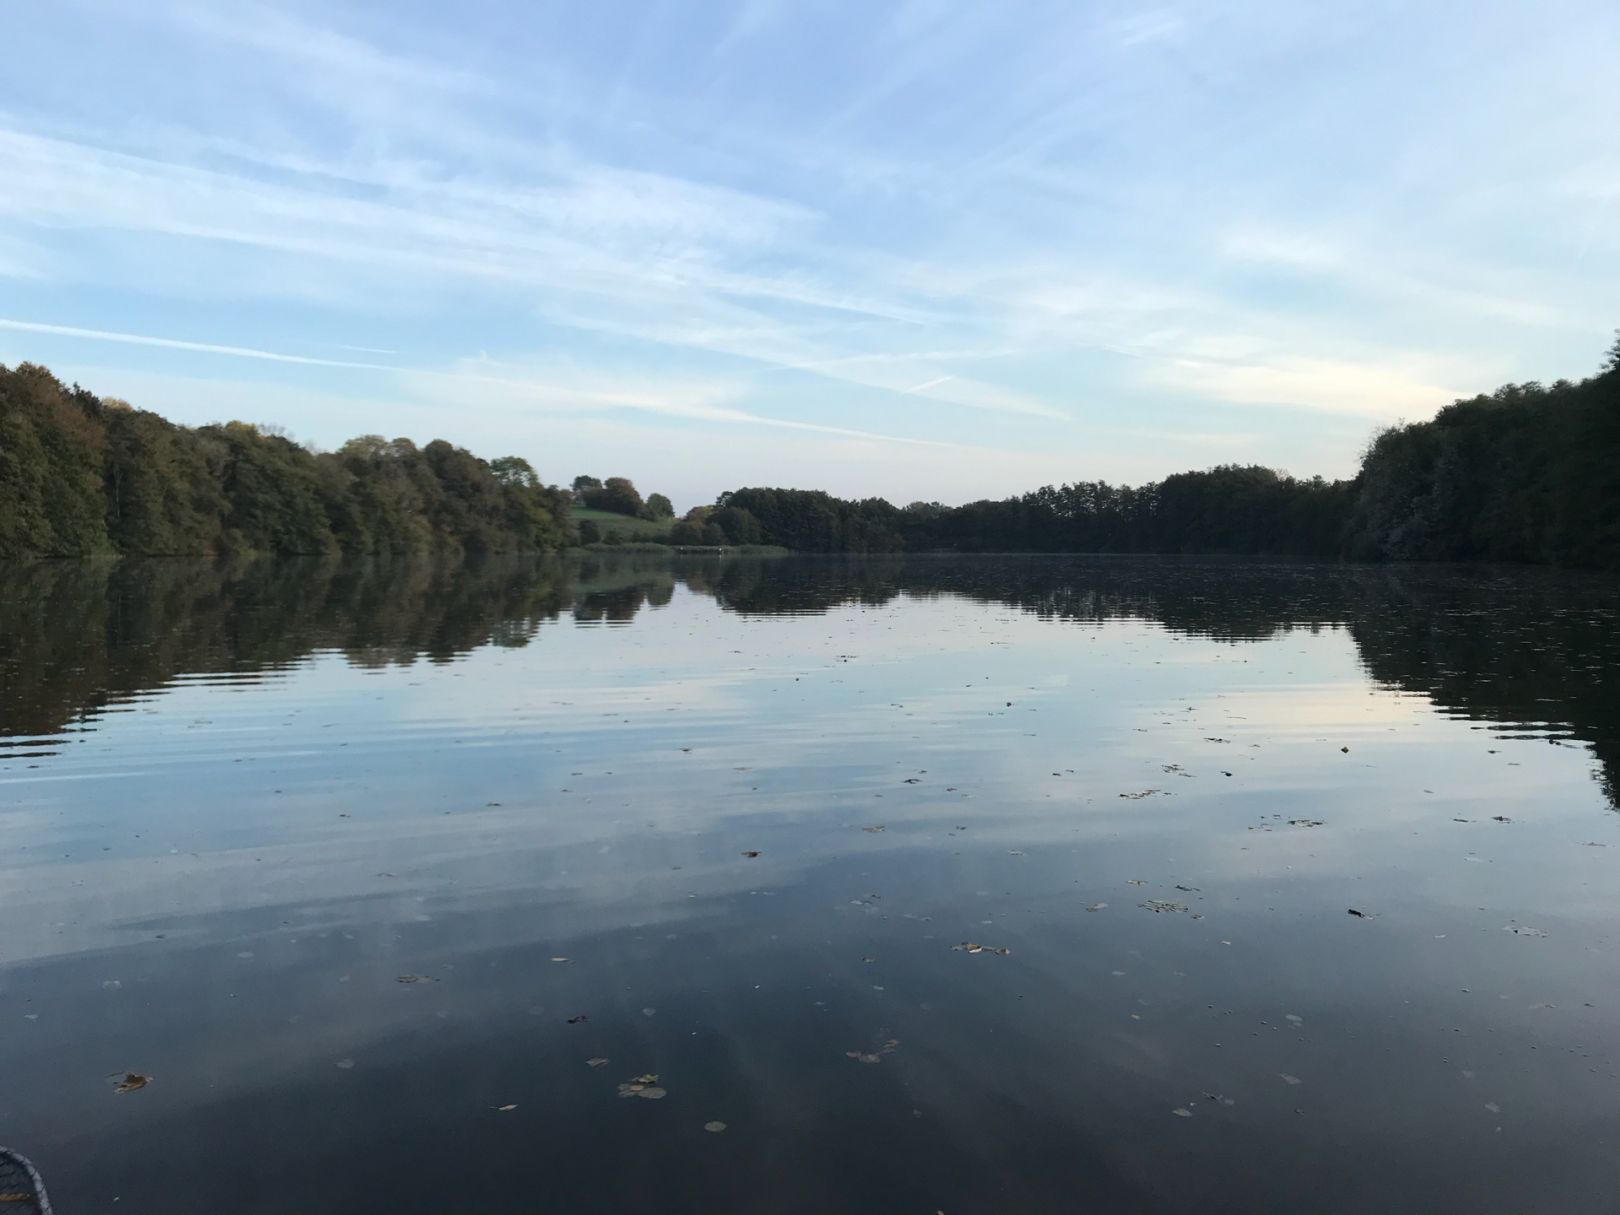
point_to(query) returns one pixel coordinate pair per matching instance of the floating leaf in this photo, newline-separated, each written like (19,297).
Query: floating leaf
(502,1109)
(1159,905)
(577,1018)
(598,1061)
(416,979)
(644,1086)
(751,853)
(131,1082)
(873,830)
(1182,1111)
(714,1128)
(1098,907)
(1287,1079)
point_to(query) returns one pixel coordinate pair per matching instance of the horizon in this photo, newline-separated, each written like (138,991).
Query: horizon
(940,252)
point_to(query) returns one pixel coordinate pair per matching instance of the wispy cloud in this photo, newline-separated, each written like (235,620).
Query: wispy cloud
(519,389)
(796,218)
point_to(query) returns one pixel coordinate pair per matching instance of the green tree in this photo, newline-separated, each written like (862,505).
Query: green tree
(660,507)
(618,495)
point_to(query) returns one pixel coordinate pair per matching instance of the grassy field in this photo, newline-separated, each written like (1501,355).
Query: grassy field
(631,529)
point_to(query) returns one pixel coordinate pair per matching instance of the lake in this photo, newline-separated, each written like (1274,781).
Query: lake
(650,884)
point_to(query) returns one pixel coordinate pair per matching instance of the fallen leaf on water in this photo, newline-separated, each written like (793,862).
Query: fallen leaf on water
(559,959)
(1360,915)
(598,1061)
(1305,822)
(416,979)
(1098,907)
(1182,1111)
(501,1109)
(873,830)
(752,852)
(975,947)
(132,1082)
(863,1056)
(644,1086)
(1158,905)
(577,1018)
(715,1127)
(1287,1079)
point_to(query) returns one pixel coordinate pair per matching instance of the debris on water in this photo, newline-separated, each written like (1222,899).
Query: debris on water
(1182,1111)
(644,1086)
(715,1127)
(1500,818)
(1159,905)
(888,1047)
(597,1061)
(975,947)
(559,959)
(874,830)
(911,780)
(577,1018)
(1522,930)
(1098,907)
(1305,822)
(1493,1107)
(1294,1017)
(649,1012)
(504,1109)
(1287,1079)
(1360,915)
(1140,795)
(415,979)
(1015,852)
(131,1082)
(1136,881)
(1188,889)
(751,853)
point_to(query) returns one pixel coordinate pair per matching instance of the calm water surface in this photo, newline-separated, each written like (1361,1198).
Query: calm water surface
(724,822)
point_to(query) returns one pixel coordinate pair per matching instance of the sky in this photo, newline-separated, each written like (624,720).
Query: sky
(924,249)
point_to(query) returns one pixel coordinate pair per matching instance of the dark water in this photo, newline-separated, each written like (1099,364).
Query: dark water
(237,806)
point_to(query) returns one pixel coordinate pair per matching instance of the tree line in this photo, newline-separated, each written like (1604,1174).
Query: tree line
(81,475)
(1525,474)
(1529,473)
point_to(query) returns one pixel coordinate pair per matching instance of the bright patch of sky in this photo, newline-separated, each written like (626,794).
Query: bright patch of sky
(928,249)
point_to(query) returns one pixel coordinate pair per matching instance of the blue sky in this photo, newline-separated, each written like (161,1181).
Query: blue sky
(921,249)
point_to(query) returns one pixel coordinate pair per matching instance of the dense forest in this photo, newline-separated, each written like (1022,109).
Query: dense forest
(81,475)
(1526,474)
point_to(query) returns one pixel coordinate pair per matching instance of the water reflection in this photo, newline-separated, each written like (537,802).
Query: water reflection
(1534,652)
(724,821)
